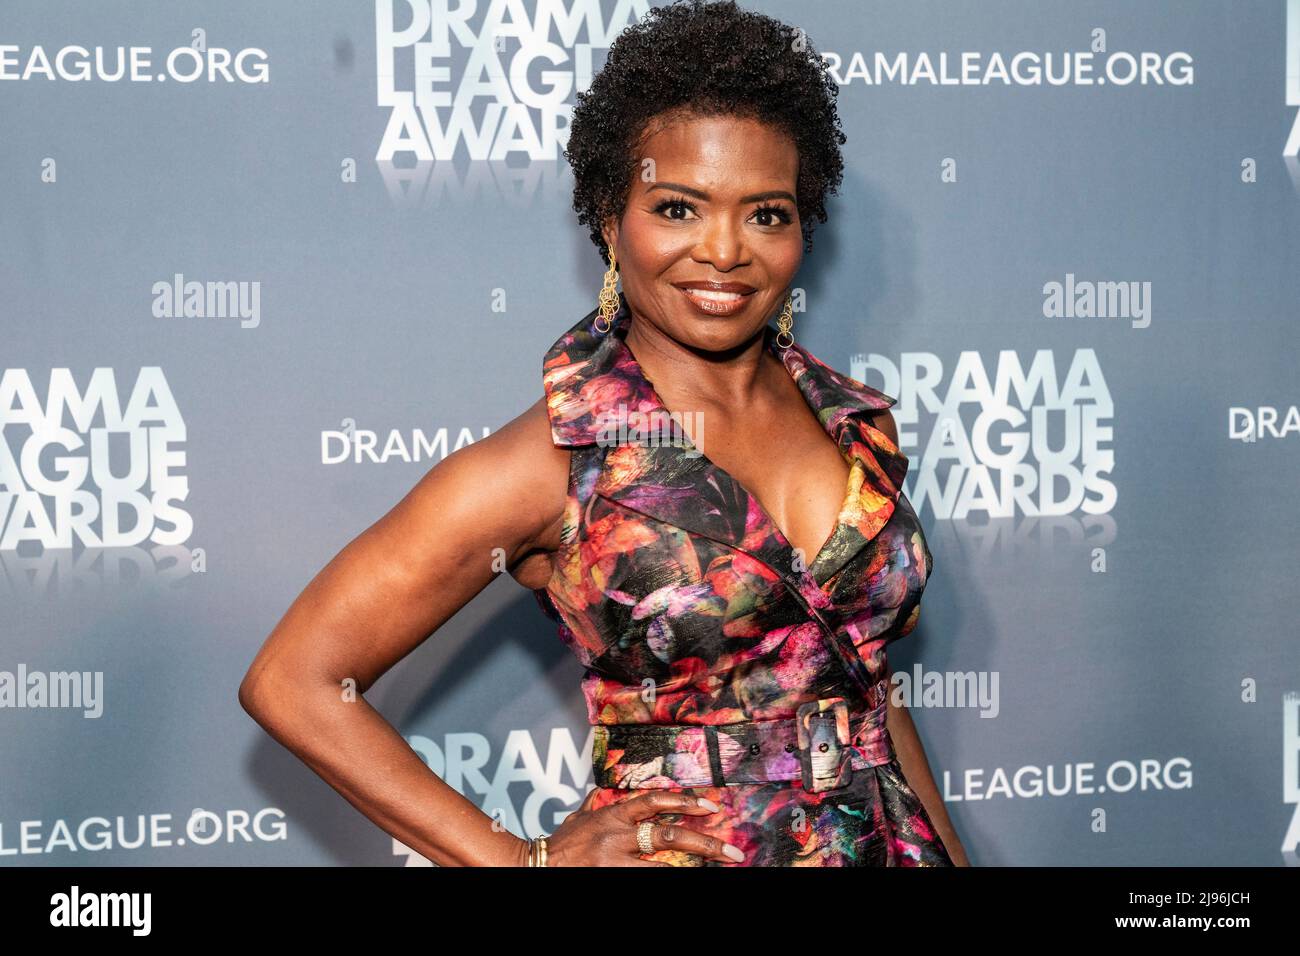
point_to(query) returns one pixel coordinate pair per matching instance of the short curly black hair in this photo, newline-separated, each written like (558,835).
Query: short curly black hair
(702,58)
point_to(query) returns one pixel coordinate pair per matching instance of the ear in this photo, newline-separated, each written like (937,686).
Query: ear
(609,232)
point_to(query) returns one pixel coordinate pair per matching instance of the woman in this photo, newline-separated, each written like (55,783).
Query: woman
(731,596)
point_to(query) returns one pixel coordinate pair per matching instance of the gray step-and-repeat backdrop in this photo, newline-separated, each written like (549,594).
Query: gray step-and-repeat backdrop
(266,264)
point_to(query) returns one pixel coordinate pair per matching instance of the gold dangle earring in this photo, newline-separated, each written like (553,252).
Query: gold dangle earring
(608,294)
(785,322)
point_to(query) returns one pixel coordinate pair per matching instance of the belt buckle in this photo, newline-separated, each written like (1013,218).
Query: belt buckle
(822,731)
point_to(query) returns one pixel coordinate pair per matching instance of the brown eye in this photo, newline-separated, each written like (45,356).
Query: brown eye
(774,216)
(674,206)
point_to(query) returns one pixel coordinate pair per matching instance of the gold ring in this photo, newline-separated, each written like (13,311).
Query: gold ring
(643,831)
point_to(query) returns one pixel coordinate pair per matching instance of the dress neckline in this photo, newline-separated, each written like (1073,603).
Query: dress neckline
(852,483)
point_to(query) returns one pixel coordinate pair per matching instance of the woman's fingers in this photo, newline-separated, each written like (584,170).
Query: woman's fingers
(674,836)
(652,802)
(633,812)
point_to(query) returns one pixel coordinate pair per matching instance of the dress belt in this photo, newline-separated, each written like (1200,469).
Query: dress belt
(820,746)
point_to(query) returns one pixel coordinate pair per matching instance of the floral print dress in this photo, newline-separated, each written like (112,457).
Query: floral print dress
(689,609)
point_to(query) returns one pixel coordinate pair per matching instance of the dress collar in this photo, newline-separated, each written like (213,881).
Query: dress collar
(587,375)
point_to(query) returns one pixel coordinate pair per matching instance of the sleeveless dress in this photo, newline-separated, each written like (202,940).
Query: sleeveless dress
(687,606)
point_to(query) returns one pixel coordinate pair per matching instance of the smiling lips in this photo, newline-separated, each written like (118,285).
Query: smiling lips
(716,298)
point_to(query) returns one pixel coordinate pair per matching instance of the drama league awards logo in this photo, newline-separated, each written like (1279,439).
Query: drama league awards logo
(1014,437)
(499,78)
(78,465)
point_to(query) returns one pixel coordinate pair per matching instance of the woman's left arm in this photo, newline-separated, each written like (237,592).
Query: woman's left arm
(916,769)
(907,742)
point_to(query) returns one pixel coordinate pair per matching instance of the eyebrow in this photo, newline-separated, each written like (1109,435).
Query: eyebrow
(700,194)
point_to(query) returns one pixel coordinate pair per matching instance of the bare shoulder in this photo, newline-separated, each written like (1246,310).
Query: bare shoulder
(522,467)
(884,421)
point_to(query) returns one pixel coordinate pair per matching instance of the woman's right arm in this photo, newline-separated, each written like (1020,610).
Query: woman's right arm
(376,601)
(495,504)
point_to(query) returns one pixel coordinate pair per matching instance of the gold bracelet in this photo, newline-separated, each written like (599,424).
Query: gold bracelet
(537,851)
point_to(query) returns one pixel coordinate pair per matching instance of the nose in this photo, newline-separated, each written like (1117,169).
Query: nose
(721,244)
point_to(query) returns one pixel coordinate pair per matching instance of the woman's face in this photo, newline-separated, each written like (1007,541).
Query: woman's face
(713,204)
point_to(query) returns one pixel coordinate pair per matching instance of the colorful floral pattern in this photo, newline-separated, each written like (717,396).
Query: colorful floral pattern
(687,605)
